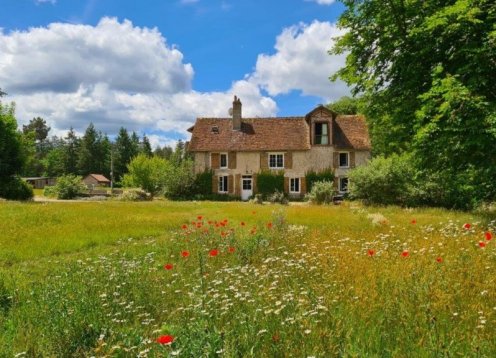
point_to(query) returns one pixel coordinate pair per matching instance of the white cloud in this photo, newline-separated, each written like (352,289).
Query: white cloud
(323,2)
(113,74)
(302,62)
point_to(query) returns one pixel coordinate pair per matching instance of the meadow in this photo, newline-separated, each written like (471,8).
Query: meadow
(234,279)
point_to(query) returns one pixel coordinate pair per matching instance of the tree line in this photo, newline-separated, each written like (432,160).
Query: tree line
(93,152)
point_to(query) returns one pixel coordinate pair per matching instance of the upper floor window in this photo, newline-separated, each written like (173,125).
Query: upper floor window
(344,160)
(223,160)
(276,161)
(321,133)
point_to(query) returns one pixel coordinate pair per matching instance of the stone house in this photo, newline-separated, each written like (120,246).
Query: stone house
(93,180)
(237,148)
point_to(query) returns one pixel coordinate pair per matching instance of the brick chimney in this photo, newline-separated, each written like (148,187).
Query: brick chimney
(236,114)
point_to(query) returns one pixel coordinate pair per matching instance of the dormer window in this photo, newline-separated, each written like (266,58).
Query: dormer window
(321,135)
(215,130)
(223,160)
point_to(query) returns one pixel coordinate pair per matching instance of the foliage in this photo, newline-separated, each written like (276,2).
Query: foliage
(346,105)
(94,153)
(312,176)
(383,181)
(67,187)
(203,182)
(278,197)
(40,128)
(269,182)
(322,192)
(134,195)
(180,179)
(257,199)
(11,159)
(14,188)
(148,173)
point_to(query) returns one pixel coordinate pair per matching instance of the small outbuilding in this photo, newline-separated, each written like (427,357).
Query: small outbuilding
(92,180)
(40,182)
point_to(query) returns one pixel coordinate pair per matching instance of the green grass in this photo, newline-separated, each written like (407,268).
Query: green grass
(82,279)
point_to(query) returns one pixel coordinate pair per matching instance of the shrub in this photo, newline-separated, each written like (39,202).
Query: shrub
(312,176)
(180,180)
(278,197)
(384,181)
(322,192)
(257,199)
(134,195)
(269,182)
(13,188)
(67,187)
(203,182)
(148,173)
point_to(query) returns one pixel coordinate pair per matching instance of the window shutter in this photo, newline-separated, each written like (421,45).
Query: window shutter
(286,185)
(264,160)
(231,160)
(215,184)
(230,184)
(336,183)
(352,159)
(215,160)
(335,161)
(303,185)
(288,160)
(237,185)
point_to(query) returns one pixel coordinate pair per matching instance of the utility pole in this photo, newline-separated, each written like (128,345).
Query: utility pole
(111,169)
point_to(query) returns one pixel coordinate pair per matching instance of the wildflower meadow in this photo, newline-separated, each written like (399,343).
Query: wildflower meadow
(237,280)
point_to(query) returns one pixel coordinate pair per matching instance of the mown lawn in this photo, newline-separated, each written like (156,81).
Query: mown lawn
(235,279)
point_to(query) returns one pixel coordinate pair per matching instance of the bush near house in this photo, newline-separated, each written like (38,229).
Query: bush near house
(312,177)
(269,182)
(14,188)
(322,192)
(203,183)
(67,187)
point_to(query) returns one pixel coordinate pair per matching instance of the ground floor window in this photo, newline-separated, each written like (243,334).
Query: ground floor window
(343,184)
(294,185)
(223,184)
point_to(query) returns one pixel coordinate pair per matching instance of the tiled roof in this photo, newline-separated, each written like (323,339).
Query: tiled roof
(282,133)
(100,178)
(351,132)
(217,134)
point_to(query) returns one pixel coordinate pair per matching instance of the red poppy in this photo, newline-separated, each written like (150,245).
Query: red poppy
(213,252)
(269,225)
(253,231)
(413,221)
(199,225)
(482,244)
(243,223)
(165,339)
(185,253)
(168,266)
(254,212)
(231,249)
(184,227)
(371,252)
(467,226)
(488,236)
(223,234)
(405,253)
(276,338)
(439,259)
(199,217)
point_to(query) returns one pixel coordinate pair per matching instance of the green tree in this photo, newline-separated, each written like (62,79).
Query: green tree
(164,152)
(39,126)
(71,149)
(146,147)
(124,150)
(148,173)
(345,105)
(88,152)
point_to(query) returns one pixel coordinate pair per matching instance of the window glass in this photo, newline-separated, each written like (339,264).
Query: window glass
(294,185)
(223,184)
(343,160)
(276,161)
(223,160)
(343,184)
(321,133)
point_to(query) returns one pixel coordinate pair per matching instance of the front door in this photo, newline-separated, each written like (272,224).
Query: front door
(246,187)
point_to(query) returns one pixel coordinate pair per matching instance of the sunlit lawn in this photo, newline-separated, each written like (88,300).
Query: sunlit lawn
(89,278)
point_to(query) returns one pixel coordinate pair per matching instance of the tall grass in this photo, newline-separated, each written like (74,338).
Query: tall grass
(297,281)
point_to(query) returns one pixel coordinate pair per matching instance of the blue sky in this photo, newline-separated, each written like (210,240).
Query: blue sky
(154,66)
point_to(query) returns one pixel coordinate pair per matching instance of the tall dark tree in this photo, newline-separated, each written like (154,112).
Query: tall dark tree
(146,147)
(71,150)
(124,151)
(88,152)
(164,152)
(39,126)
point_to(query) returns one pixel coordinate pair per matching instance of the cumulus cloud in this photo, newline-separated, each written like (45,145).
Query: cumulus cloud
(113,74)
(302,62)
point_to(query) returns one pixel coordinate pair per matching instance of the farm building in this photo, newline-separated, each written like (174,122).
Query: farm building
(40,182)
(92,180)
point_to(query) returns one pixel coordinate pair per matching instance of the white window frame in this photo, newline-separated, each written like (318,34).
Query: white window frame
(221,184)
(341,185)
(291,186)
(220,161)
(268,159)
(347,160)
